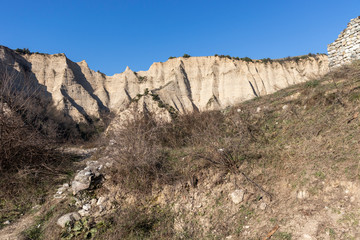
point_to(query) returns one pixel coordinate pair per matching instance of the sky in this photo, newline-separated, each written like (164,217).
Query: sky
(111,35)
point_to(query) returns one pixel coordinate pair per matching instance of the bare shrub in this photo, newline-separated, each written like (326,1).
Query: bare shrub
(192,129)
(220,139)
(139,158)
(19,140)
(210,139)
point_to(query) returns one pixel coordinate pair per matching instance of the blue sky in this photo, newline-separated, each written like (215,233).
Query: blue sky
(111,35)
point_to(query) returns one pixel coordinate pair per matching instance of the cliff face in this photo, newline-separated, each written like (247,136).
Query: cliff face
(185,84)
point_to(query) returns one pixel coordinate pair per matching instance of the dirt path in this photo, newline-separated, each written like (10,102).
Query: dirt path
(14,230)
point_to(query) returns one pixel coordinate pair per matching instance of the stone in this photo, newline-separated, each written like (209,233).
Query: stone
(69,217)
(84,177)
(86,207)
(93,201)
(237,196)
(109,164)
(302,194)
(77,186)
(83,213)
(101,200)
(344,49)
(262,206)
(307,237)
(6,222)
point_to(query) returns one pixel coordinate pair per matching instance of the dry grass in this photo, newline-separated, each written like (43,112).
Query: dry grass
(148,152)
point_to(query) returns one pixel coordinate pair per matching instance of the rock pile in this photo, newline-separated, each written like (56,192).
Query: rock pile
(84,181)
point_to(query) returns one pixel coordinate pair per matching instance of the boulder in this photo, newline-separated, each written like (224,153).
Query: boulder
(84,177)
(237,196)
(69,217)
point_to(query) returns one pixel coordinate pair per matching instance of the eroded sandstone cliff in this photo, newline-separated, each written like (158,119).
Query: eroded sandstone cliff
(180,84)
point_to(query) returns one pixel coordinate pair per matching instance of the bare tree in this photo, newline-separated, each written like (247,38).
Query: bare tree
(20,138)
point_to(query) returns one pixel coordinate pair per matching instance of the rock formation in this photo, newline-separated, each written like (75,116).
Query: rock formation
(180,84)
(346,47)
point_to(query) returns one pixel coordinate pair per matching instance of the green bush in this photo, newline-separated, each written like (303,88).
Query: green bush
(312,83)
(23,51)
(186,55)
(246,59)
(266,60)
(142,79)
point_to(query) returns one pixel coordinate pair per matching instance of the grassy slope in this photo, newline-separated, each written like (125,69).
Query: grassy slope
(306,144)
(300,145)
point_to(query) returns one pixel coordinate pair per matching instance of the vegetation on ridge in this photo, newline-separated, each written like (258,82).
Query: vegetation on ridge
(269,60)
(27,51)
(264,60)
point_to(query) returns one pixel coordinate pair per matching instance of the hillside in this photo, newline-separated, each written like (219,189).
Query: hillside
(284,165)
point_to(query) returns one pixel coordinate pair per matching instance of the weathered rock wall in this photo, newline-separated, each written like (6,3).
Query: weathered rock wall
(184,84)
(346,47)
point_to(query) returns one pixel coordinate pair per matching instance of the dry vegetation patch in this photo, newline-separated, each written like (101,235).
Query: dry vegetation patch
(30,133)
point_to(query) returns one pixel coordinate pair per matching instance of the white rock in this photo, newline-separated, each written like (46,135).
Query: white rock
(6,222)
(93,201)
(69,217)
(77,186)
(109,164)
(83,213)
(307,237)
(59,196)
(86,207)
(101,200)
(237,196)
(262,206)
(302,194)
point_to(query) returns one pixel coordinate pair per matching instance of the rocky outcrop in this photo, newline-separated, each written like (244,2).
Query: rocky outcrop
(180,84)
(346,47)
